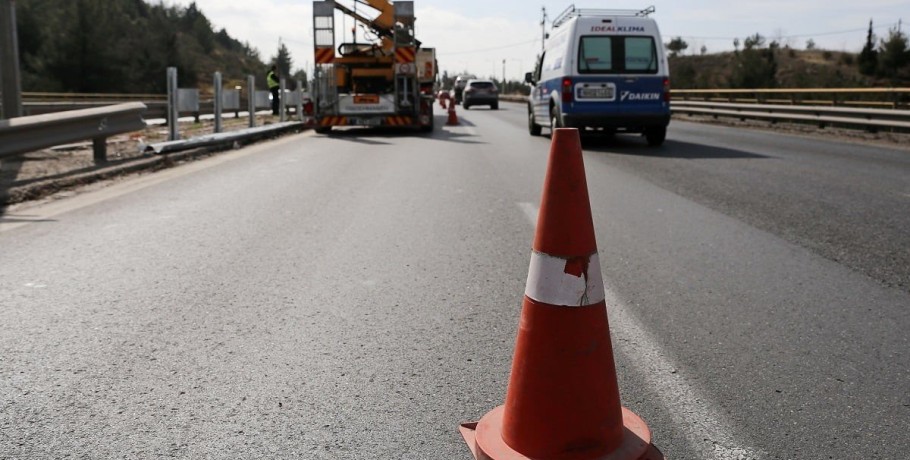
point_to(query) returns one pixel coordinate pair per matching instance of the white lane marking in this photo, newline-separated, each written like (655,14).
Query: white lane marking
(704,427)
(549,281)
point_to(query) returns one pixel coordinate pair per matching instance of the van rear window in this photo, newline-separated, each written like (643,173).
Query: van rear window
(617,54)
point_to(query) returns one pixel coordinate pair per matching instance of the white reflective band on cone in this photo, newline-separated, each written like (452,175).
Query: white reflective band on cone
(549,283)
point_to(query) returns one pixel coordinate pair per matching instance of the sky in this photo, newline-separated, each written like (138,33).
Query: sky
(489,37)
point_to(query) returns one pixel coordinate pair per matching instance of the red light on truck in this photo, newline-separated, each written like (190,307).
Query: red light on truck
(666,90)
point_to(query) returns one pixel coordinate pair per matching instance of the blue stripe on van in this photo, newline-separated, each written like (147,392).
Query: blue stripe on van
(634,95)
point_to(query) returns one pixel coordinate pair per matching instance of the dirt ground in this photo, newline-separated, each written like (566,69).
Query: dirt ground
(64,162)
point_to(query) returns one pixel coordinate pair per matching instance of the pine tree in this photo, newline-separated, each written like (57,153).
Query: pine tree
(868,57)
(283,61)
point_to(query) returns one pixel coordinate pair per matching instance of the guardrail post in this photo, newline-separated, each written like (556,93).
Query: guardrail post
(173,133)
(251,94)
(300,100)
(99,150)
(281,99)
(219,101)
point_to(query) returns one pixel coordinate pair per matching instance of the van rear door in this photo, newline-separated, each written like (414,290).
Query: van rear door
(619,74)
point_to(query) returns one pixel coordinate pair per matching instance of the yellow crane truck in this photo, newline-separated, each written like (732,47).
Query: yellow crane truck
(386,81)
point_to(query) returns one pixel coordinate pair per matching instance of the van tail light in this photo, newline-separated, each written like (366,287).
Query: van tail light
(666,90)
(567,92)
(469,90)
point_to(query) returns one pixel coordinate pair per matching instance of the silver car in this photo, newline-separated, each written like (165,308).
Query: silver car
(480,92)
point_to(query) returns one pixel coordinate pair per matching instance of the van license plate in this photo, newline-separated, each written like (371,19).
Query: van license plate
(596,93)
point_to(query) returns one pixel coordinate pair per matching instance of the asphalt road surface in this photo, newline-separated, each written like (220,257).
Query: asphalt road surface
(356,296)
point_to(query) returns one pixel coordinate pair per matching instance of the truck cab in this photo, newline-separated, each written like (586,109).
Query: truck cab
(602,70)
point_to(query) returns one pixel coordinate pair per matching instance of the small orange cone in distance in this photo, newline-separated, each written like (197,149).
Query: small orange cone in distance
(562,402)
(453,117)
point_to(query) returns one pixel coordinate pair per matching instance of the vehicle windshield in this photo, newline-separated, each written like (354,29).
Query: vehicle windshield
(483,85)
(617,54)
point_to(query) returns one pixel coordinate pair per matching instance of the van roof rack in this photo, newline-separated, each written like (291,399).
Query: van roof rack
(572,12)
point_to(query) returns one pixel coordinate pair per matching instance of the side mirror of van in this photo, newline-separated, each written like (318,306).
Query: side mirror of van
(529,78)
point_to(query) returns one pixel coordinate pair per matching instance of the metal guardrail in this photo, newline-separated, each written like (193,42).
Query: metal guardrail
(822,115)
(25,134)
(895,98)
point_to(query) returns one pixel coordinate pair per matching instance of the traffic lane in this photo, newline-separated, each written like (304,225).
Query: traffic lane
(846,202)
(786,344)
(778,342)
(310,300)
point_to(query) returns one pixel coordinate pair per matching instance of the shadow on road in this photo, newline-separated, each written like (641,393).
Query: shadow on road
(443,134)
(376,136)
(635,145)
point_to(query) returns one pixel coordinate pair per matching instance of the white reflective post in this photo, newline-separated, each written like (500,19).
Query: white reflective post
(281,97)
(219,101)
(172,114)
(251,95)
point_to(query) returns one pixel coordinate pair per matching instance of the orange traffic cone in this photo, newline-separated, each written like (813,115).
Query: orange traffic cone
(563,400)
(453,117)
(442,96)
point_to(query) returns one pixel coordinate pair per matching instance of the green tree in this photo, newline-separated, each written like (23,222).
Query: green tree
(893,54)
(754,41)
(868,57)
(117,46)
(677,46)
(283,60)
(755,66)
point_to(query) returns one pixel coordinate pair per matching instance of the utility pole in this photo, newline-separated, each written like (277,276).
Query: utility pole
(543,28)
(10,82)
(503,74)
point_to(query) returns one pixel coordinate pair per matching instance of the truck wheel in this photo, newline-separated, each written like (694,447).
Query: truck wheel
(656,135)
(533,128)
(323,130)
(427,128)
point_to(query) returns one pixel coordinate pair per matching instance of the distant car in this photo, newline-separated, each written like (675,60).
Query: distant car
(458,89)
(481,92)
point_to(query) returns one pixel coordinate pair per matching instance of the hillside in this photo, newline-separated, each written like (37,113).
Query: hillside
(124,46)
(774,68)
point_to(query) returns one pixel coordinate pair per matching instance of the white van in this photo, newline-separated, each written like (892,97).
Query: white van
(602,69)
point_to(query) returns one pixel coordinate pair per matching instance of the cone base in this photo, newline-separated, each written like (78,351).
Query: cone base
(484,438)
